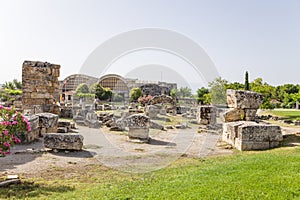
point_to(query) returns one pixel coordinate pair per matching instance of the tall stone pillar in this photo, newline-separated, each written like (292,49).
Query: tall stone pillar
(40,87)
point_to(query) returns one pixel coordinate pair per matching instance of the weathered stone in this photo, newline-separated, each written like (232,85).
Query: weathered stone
(68,141)
(47,120)
(152,111)
(206,115)
(169,127)
(62,130)
(250,114)
(27,137)
(138,126)
(233,115)
(251,136)
(243,99)
(40,88)
(155,125)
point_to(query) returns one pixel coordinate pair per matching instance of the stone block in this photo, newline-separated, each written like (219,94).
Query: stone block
(233,115)
(68,141)
(243,99)
(138,133)
(246,135)
(206,115)
(250,114)
(47,120)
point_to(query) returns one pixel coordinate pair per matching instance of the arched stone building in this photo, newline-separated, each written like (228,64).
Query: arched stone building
(116,83)
(70,83)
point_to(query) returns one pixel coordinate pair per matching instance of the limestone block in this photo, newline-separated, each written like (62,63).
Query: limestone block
(243,99)
(138,121)
(206,115)
(232,115)
(246,135)
(47,120)
(67,141)
(138,133)
(250,114)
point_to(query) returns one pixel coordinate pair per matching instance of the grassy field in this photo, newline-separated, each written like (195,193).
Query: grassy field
(272,174)
(291,114)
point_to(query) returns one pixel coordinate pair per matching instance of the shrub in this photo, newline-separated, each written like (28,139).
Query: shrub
(11,122)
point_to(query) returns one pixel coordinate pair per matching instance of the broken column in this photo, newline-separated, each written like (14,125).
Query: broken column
(40,87)
(239,129)
(138,125)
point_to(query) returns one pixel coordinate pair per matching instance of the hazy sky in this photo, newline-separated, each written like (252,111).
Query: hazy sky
(261,36)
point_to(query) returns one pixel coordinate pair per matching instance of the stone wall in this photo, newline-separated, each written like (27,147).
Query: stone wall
(40,87)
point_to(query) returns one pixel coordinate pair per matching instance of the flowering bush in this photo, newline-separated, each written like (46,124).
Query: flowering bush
(144,99)
(11,122)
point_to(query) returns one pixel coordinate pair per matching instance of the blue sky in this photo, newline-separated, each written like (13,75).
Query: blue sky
(261,36)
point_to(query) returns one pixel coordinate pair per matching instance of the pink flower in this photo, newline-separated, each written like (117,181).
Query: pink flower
(17,140)
(6,144)
(1,107)
(14,123)
(5,132)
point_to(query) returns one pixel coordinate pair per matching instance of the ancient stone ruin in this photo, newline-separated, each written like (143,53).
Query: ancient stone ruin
(138,125)
(243,105)
(65,141)
(206,115)
(239,128)
(40,87)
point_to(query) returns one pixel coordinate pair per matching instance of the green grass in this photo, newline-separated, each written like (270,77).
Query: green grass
(291,114)
(273,174)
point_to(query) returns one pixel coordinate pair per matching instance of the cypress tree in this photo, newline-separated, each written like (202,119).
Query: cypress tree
(247,86)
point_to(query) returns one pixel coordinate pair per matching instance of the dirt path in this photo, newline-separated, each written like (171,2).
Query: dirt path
(113,149)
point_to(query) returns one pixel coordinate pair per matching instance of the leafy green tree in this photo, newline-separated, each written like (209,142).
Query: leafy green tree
(235,86)
(17,84)
(82,88)
(247,86)
(217,91)
(135,93)
(201,95)
(174,92)
(185,92)
(102,93)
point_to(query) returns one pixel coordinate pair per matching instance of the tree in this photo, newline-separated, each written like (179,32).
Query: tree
(217,91)
(185,92)
(12,85)
(82,88)
(174,92)
(235,86)
(201,95)
(135,93)
(247,86)
(102,93)
(117,97)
